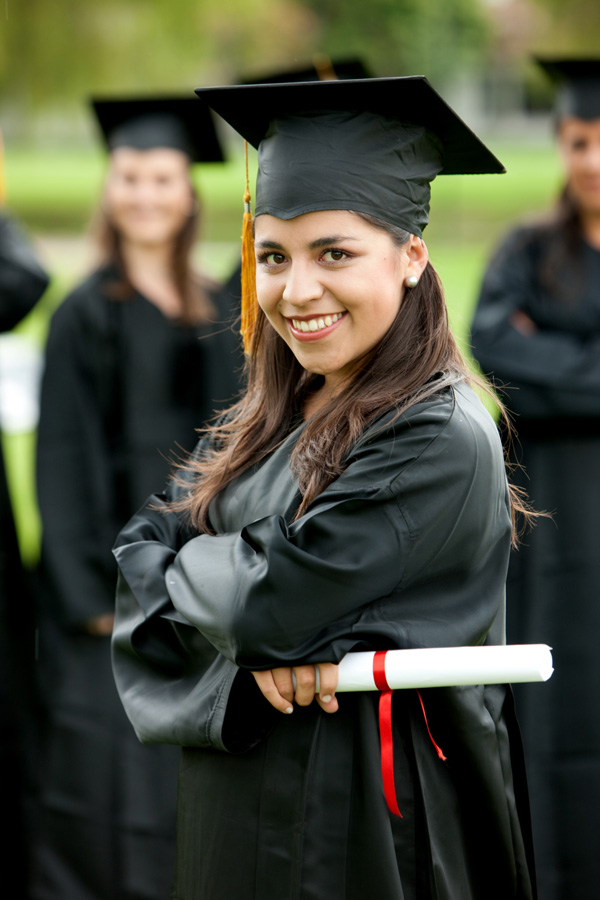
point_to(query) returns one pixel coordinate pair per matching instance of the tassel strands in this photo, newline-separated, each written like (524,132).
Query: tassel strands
(249,301)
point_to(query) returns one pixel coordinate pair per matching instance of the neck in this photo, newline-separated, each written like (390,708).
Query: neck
(590,224)
(150,270)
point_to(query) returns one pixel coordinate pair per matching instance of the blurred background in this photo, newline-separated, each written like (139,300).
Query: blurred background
(55,54)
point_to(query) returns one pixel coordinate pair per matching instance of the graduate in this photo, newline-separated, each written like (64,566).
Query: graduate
(355,498)
(537,331)
(139,355)
(23,281)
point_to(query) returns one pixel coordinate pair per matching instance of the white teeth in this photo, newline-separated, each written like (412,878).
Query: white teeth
(315,324)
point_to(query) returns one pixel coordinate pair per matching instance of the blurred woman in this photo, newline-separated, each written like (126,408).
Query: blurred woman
(136,361)
(537,329)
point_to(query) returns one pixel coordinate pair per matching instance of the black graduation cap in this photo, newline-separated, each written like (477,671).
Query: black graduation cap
(369,145)
(322,69)
(180,123)
(578,83)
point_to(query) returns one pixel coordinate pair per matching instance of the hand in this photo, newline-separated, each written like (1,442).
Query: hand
(100,626)
(523,323)
(277,686)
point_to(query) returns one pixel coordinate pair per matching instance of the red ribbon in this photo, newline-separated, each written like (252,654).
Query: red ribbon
(385,731)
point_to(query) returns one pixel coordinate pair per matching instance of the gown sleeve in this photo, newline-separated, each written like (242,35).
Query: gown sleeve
(22,279)
(404,550)
(551,373)
(73,467)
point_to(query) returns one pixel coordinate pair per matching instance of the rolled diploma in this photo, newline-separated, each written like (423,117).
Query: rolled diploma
(448,666)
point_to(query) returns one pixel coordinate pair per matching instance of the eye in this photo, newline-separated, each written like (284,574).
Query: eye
(271,259)
(579,144)
(334,255)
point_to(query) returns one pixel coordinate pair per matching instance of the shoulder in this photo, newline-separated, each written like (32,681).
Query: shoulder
(85,305)
(528,241)
(452,431)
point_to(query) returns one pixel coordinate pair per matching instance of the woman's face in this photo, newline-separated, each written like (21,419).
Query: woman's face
(331,285)
(579,145)
(148,195)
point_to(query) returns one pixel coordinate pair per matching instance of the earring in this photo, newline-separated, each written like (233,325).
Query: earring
(411,281)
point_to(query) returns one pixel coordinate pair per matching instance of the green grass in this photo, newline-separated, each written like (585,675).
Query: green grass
(55,194)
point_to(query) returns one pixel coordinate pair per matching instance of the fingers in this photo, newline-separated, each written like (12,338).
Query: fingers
(283,686)
(269,689)
(328,679)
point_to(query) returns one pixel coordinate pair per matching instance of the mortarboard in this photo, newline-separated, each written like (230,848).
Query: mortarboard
(144,123)
(322,69)
(578,83)
(367,145)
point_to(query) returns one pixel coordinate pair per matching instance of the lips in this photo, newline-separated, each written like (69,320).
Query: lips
(314,328)
(316,324)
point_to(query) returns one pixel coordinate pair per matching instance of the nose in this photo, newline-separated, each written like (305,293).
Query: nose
(302,284)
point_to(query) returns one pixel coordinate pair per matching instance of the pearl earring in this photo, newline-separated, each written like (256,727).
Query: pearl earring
(411,281)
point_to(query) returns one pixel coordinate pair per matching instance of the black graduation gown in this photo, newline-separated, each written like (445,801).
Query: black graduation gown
(407,548)
(553,378)
(123,390)
(22,283)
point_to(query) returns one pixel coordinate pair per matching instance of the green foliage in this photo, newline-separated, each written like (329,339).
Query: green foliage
(399,37)
(571,28)
(56,52)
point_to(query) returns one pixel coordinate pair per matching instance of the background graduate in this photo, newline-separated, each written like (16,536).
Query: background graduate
(22,283)
(355,498)
(137,358)
(537,329)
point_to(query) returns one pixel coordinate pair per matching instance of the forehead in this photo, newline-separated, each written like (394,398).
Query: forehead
(331,223)
(163,159)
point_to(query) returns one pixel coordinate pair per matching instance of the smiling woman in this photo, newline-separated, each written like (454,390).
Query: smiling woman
(316,288)
(355,498)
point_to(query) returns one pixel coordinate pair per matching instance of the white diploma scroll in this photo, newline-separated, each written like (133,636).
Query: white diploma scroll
(448,666)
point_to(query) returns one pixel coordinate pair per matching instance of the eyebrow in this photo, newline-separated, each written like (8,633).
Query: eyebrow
(314,245)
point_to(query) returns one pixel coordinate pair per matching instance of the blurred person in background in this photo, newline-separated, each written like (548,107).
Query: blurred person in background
(138,356)
(537,331)
(22,283)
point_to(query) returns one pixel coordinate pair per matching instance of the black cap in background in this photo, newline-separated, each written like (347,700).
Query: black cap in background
(578,82)
(145,123)
(321,69)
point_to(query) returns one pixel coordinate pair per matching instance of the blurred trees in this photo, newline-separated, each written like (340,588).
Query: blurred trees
(55,53)
(58,51)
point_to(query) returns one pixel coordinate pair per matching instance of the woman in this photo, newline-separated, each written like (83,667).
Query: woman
(537,329)
(355,498)
(135,363)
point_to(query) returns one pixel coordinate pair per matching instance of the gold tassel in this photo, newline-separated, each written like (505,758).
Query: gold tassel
(249,301)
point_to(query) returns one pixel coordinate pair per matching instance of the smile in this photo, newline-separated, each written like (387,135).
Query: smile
(317,324)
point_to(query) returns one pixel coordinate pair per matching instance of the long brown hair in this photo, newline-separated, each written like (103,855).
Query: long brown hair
(560,263)
(417,358)
(193,288)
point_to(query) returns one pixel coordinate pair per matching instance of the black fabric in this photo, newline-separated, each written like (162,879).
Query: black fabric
(22,283)
(553,384)
(387,167)
(578,86)
(124,389)
(143,123)
(371,145)
(407,548)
